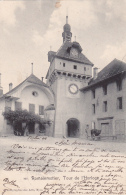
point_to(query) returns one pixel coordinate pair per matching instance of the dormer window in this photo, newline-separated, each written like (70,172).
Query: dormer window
(63,64)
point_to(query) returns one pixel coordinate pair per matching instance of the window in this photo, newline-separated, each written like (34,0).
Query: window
(63,64)
(8,104)
(35,93)
(93,94)
(7,108)
(105,106)
(119,103)
(93,108)
(18,105)
(32,108)
(84,68)
(105,89)
(75,67)
(119,85)
(41,110)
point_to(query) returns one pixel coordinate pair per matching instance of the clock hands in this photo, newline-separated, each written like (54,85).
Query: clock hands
(73,88)
(74,52)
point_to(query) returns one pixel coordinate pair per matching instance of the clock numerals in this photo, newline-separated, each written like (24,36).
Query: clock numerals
(74,52)
(73,89)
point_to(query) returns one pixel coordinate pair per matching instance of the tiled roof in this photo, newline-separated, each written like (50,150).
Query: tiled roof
(112,69)
(32,79)
(63,52)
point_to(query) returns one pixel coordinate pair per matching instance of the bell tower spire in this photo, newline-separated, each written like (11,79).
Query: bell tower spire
(67,31)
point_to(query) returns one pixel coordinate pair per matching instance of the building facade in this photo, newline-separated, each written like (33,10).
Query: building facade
(72,98)
(105,98)
(32,95)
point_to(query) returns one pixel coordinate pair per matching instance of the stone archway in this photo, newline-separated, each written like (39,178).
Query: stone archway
(73,127)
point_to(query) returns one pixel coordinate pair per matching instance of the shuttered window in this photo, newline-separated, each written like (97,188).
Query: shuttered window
(41,110)
(93,108)
(105,106)
(105,89)
(32,108)
(119,103)
(119,85)
(93,94)
(18,105)
(7,108)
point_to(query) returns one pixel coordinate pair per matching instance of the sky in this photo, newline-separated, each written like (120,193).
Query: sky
(28,29)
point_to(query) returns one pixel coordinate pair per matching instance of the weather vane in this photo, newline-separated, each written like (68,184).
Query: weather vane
(32,68)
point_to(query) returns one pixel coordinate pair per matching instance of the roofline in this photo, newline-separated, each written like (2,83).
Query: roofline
(15,87)
(22,83)
(74,60)
(55,56)
(90,86)
(39,84)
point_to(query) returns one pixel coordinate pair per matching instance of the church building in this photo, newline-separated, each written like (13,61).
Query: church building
(72,98)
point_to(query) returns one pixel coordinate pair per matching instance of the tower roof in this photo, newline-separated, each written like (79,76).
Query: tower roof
(66,31)
(67,28)
(64,53)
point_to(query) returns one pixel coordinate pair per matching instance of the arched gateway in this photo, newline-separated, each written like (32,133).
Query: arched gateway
(73,127)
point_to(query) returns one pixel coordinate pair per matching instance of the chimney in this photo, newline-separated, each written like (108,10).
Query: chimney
(95,73)
(42,78)
(10,86)
(1,89)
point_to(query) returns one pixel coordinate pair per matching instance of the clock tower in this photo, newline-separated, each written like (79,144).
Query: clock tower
(69,71)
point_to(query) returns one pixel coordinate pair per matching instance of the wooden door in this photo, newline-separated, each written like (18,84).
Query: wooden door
(120,128)
(105,129)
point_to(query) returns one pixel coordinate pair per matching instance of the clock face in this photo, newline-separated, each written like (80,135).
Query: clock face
(74,52)
(73,89)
